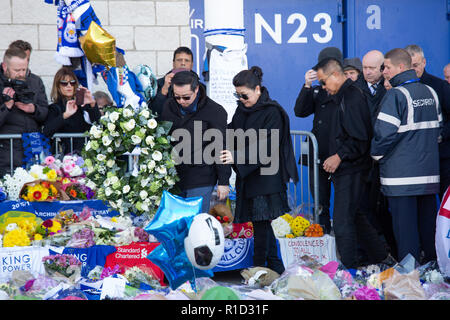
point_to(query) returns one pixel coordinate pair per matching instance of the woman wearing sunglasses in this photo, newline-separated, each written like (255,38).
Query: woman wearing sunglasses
(261,195)
(64,116)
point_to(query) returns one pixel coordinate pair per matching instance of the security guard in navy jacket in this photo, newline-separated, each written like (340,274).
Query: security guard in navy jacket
(405,143)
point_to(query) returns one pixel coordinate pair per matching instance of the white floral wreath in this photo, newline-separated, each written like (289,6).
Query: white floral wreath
(122,131)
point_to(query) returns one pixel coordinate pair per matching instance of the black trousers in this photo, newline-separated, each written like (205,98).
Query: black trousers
(414,221)
(324,195)
(350,223)
(265,252)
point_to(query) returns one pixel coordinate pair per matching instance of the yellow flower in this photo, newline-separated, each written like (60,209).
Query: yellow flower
(287,217)
(55,227)
(113,219)
(37,193)
(290,235)
(299,225)
(51,175)
(16,237)
(38,236)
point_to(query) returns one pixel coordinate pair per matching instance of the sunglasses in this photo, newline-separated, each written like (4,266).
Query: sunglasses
(323,82)
(65,83)
(240,96)
(178,98)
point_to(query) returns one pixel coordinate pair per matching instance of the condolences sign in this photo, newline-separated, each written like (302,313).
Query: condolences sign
(443,234)
(223,66)
(323,249)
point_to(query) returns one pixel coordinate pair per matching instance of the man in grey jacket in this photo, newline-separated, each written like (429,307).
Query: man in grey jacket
(405,143)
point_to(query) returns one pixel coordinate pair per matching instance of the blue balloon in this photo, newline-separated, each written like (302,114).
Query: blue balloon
(172,220)
(177,269)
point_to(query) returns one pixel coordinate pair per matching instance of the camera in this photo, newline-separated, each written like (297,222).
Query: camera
(22,92)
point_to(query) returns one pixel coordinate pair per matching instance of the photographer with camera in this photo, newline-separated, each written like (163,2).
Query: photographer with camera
(20,111)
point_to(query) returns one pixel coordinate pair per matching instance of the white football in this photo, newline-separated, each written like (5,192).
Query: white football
(204,244)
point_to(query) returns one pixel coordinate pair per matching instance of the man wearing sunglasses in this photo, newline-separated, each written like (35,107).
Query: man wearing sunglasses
(19,110)
(316,100)
(348,165)
(192,113)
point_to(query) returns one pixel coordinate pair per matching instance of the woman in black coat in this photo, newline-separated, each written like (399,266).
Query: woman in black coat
(263,167)
(64,116)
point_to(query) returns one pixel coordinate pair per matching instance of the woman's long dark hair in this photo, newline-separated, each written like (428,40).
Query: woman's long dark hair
(60,75)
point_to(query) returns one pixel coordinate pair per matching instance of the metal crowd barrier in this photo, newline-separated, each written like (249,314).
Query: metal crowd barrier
(303,197)
(306,189)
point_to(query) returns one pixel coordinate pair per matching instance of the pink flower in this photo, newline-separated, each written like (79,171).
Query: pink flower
(49,160)
(68,168)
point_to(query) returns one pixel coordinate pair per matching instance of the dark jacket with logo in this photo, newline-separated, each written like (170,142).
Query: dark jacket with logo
(209,115)
(442,89)
(351,130)
(16,121)
(405,138)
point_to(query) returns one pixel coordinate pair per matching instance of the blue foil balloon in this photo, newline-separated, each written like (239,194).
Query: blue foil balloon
(172,220)
(177,269)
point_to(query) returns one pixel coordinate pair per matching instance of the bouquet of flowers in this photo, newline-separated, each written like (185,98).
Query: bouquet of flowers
(139,187)
(13,184)
(77,191)
(72,165)
(15,236)
(139,275)
(62,265)
(40,190)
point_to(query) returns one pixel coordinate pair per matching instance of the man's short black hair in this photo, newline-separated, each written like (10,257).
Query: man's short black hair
(330,65)
(183,50)
(186,77)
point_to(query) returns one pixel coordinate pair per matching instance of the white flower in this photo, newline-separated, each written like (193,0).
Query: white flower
(114,116)
(170,181)
(107,182)
(144,151)
(152,124)
(150,140)
(157,156)
(88,146)
(144,182)
(11,227)
(110,163)
(136,139)
(91,184)
(96,132)
(151,165)
(110,150)
(161,170)
(280,227)
(126,189)
(117,142)
(127,113)
(108,191)
(101,157)
(106,141)
(129,125)
(111,126)
(114,179)
(143,194)
(145,113)
(144,207)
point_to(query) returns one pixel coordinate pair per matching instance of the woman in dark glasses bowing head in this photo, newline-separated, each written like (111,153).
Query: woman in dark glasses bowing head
(67,114)
(264,162)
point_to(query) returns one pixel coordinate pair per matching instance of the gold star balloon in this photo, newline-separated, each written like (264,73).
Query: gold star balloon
(99,46)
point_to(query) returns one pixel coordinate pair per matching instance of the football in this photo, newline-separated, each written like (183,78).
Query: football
(204,244)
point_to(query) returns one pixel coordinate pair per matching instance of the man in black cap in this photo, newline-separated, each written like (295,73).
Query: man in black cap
(352,68)
(315,100)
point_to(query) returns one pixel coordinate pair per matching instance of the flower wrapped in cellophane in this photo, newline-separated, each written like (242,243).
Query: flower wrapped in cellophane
(64,267)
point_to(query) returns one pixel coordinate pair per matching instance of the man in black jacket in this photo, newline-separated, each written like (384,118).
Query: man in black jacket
(315,100)
(375,203)
(192,113)
(442,89)
(182,59)
(22,109)
(348,165)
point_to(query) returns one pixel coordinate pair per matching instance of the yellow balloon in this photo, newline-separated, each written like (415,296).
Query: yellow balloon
(99,46)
